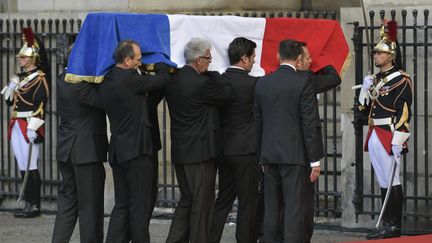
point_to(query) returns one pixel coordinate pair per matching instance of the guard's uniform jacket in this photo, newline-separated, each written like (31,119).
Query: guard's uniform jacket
(389,111)
(30,99)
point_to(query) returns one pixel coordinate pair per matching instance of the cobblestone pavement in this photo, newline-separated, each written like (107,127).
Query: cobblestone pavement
(39,230)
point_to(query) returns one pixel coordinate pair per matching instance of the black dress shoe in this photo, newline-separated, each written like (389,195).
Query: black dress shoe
(29,212)
(20,213)
(384,233)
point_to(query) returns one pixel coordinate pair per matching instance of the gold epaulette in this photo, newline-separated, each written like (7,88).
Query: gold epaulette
(405,74)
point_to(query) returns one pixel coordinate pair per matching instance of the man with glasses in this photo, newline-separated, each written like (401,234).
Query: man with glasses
(124,98)
(194,96)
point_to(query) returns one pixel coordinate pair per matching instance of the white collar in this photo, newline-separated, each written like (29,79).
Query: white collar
(237,67)
(288,64)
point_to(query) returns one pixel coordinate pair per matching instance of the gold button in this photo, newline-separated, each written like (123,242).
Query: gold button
(373,114)
(374,106)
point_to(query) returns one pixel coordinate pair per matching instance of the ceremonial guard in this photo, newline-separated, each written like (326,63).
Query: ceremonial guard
(27,93)
(387,96)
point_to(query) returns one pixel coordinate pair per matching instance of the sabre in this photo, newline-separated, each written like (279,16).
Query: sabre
(389,186)
(25,175)
(367,45)
(367,37)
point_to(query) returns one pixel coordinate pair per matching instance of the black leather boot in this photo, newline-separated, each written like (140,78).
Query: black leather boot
(396,197)
(20,213)
(381,231)
(32,195)
(392,221)
(29,211)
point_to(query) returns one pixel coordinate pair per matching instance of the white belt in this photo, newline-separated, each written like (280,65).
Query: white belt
(392,76)
(381,121)
(22,114)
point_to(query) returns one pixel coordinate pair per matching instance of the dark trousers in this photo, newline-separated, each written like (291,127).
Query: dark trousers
(155,182)
(260,208)
(130,217)
(309,205)
(285,195)
(193,214)
(238,177)
(80,195)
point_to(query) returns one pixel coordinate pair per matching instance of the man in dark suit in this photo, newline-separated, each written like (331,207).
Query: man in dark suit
(325,79)
(239,171)
(193,98)
(154,99)
(124,98)
(82,147)
(286,127)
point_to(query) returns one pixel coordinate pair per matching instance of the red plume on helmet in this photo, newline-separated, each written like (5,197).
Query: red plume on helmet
(28,36)
(392,30)
(31,46)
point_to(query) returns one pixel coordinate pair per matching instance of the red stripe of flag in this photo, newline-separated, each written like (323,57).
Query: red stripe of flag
(325,40)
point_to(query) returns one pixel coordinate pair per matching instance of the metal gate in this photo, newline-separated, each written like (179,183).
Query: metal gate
(55,32)
(415,42)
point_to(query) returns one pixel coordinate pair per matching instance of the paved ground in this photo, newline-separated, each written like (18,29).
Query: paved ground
(39,230)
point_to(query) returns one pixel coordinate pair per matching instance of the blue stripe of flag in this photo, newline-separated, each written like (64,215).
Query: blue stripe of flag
(93,53)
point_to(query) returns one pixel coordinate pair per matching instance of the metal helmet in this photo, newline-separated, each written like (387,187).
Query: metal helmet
(30,47)
(388,40)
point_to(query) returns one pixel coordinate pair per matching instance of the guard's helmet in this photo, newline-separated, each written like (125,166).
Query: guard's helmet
(31,46)
(388,39)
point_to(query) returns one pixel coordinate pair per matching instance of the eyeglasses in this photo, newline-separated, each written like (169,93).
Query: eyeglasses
(207,58)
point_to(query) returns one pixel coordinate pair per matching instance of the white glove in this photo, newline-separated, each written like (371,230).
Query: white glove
(9,91)
(367,82)
(13,82)
(397,150)
(32,135)
(364,95)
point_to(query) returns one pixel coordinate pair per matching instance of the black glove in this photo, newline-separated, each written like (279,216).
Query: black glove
(161,66)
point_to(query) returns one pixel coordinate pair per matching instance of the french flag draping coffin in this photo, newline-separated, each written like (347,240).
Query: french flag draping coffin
(162,38)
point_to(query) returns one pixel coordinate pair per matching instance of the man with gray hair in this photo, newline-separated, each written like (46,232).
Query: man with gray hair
(194,95)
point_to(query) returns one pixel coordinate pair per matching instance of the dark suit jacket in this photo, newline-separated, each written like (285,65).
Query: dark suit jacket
(238,126)
(193,101)
(285,106)
(124,98)
(81,134)
(154,99)
(325,79)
